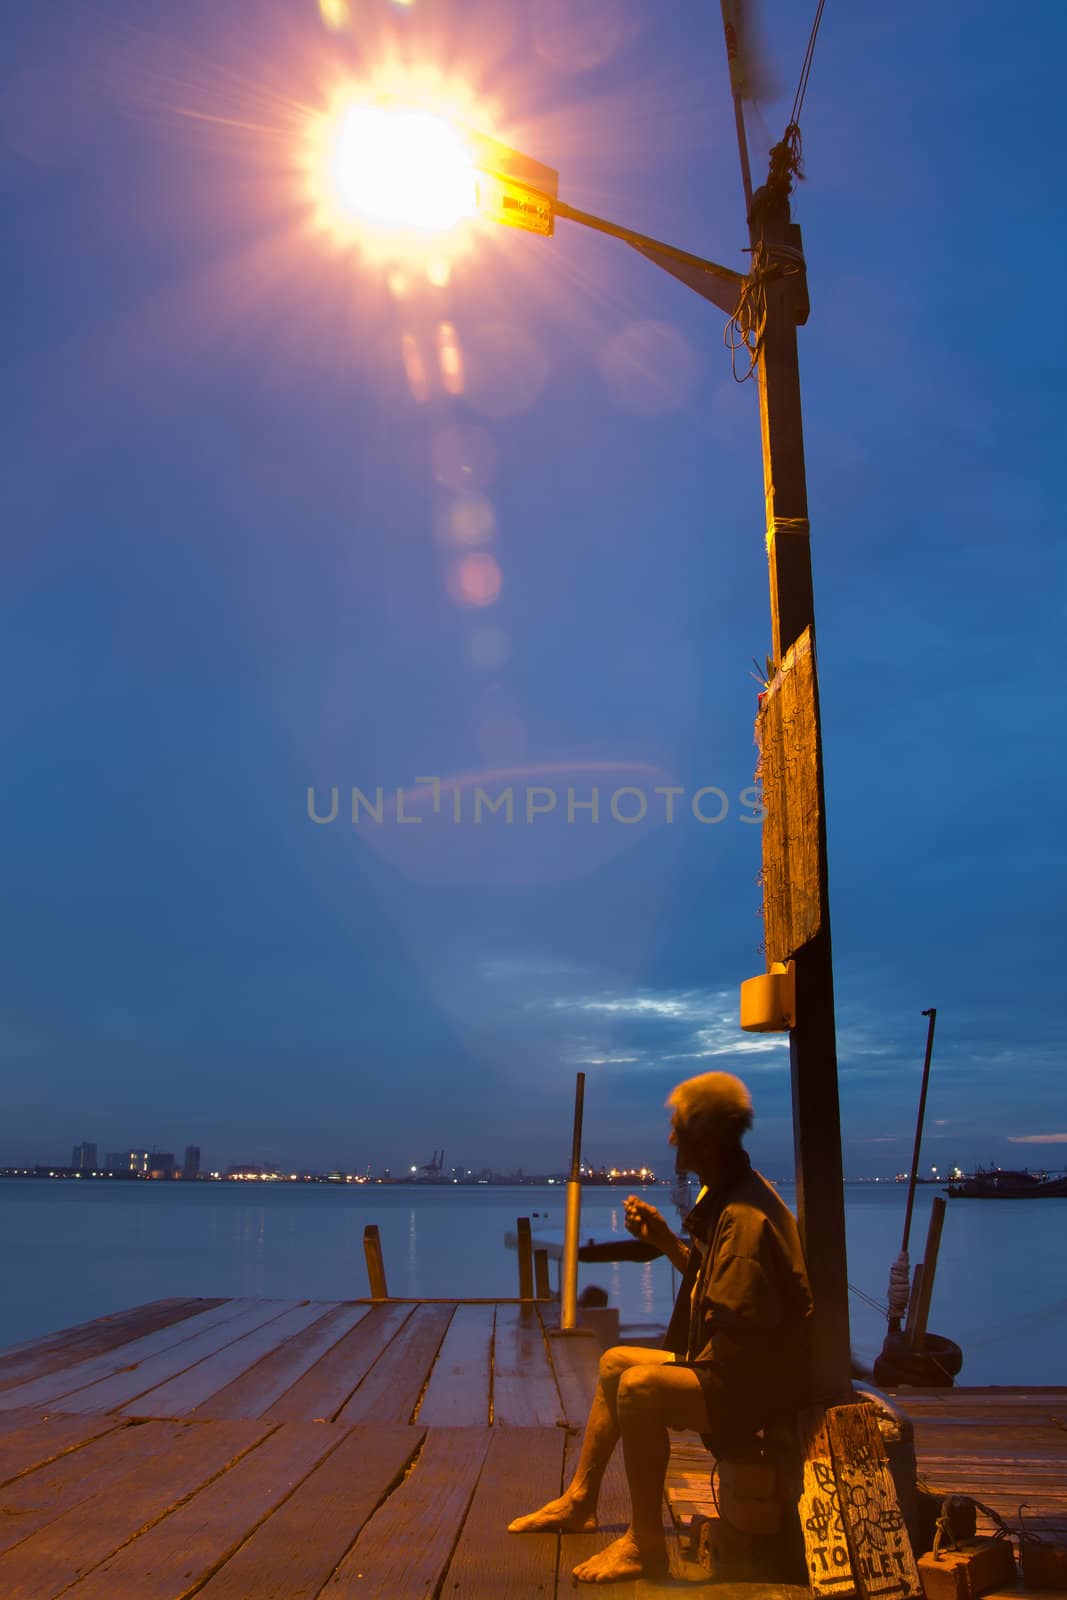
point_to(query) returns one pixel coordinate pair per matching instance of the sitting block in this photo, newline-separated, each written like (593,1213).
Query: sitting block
(965,1574)
(1044,1565)
(750,1496)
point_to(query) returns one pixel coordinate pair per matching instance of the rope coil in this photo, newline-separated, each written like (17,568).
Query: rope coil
(747,326)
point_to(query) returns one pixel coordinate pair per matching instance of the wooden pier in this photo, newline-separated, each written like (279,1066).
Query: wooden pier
(288,1450)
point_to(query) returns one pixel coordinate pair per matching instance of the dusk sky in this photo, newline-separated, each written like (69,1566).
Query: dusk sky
(287,509)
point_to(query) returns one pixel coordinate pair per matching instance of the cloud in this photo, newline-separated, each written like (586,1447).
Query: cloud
(657,1028)
(1037,1138)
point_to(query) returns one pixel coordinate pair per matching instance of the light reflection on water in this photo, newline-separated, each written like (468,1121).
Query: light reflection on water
(80,1251)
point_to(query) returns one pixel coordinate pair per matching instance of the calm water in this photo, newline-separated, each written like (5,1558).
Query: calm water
(70,1251)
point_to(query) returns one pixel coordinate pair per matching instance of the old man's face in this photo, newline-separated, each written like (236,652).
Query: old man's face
(685,1159)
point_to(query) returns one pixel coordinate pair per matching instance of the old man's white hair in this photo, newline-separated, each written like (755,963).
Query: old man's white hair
(714,1108)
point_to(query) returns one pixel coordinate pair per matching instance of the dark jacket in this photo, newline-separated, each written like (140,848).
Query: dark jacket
(743,1314)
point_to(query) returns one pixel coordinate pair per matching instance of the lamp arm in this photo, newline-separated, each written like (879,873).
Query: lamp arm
(721,285)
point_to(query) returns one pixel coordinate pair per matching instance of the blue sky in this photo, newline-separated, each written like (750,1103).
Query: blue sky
(236,454)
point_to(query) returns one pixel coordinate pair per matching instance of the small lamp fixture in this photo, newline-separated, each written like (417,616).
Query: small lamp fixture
(769,1002)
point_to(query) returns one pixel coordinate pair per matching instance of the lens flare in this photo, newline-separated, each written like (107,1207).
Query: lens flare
(401,166)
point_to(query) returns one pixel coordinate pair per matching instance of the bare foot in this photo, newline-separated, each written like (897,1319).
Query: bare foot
(621,1560)
(565,1515)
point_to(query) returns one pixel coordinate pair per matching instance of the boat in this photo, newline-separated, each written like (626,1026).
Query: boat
(999,1183)
(628,1177)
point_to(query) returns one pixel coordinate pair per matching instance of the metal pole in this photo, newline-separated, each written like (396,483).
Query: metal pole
(737,87)
(568,1316)
(913,1175)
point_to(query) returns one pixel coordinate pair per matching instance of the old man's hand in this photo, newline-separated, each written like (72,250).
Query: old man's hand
(646,1223)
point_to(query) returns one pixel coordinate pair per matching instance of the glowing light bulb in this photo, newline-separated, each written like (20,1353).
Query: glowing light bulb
(402,166)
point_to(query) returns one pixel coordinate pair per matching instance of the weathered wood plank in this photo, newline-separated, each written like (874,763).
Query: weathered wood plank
(613,1515)
(323,1390)
(76,1541)
(489,1563)
(46,1440)
(878,1542)
(826,1549)
(41,1497)
(457,1394)
(33,1358)
(405,1547)
(293,1553)
(55,1385)
(390,1391)
(179,1395)
(110,1393)
(252,1393)
(613,1519)
(524,1385)
(576,1359)
(13,1421)
(174,1556)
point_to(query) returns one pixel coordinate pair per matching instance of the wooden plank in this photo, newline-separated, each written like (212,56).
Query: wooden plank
(522,1467)
(322,1391)
(33,1358)
(252,1393)
(881,1555)
(46,1440)
(576,1359)
(13,1421)
(55,1385)
(41,1497)
(405,1547)
(174,1557)
(524,1385)
(179,1395)
(457,1394)
(50,1560)
(293,1553)
(825,1544)
(110,1393)
(613,1516)
(390,1392)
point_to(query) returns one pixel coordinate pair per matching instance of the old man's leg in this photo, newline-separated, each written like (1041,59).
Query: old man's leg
(575,1510)
(649,1401)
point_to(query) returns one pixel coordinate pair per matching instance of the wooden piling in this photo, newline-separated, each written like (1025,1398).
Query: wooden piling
(919,1310)
(542,1287)
(525,1249)
(372,1249)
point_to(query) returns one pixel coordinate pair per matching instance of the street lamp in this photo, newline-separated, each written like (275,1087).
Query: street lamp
(401,165)
(766,306)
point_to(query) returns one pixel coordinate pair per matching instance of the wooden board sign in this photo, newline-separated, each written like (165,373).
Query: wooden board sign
(825,1546)
(880,1551)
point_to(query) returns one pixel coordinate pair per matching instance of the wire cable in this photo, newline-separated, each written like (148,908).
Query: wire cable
(869,1299)
(805,71)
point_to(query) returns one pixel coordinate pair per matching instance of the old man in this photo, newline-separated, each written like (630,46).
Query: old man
(737,1346)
